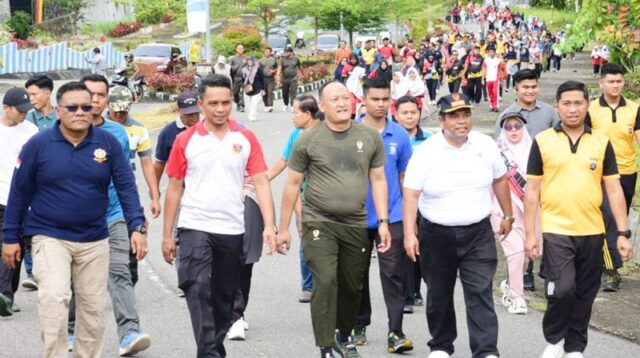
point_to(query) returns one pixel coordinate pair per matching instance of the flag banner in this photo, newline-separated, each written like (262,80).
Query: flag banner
(197,11)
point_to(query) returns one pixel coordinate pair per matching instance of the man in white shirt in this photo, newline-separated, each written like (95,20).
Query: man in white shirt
(450,178)
(99,63)
(491,76)
(14,132)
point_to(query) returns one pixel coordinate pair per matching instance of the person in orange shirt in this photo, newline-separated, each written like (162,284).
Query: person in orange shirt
(342,52)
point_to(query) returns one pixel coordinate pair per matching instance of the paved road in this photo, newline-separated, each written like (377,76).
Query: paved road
(280,326)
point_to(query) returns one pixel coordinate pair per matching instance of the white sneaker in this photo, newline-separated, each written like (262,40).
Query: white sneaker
(236,332)
(554,350)
(506,299)
(518,306)
(269,109)
(285,108)
(574,355)
(439,354)
(491,356)
(245,325)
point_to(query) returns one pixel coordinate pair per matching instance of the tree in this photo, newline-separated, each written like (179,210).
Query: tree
(356,15)
(298,9)
(266,10)
(72,8)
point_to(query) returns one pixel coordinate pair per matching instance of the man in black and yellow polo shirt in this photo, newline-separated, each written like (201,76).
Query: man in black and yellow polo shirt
(566,167)
(618,119)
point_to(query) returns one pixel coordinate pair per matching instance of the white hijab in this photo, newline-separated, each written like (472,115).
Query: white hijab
(353,82)
(416,87)
(604,52)
(401,88)
(595,51)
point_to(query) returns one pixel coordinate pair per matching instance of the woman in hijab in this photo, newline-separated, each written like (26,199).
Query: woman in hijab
(337,74)
(514,144)
(409,62)
(512,64)
(399,88)
(604,55)
(222,68)
(354,84)
(349,66)
(417,88)
(595,61)
(253,84)
(383,71)
(431,70)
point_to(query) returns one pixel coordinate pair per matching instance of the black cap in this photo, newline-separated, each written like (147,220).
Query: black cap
(453,102)
(510,115)
(188,103)
(19,98)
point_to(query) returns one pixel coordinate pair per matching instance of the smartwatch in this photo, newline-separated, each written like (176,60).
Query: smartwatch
(141,229)
(626,234)
(510,219)
(384,221)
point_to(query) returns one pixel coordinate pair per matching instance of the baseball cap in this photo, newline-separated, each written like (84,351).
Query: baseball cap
(510,115)
(188,103)
(19,98)
(120,99)
(453,102)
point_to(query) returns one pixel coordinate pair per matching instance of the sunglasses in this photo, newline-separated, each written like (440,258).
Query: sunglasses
(514,127)
(74,108)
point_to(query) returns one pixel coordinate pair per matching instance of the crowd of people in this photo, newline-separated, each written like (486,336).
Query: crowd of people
(363,179)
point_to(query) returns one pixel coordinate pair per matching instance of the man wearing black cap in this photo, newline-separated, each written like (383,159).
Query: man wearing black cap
(189,115)
(449,179)
(14,132)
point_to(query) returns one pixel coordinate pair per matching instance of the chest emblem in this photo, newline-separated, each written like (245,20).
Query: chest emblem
(100,155)
(593,165)
(393,148)
(630,130)
(237,148)
(359,144)
(316,235)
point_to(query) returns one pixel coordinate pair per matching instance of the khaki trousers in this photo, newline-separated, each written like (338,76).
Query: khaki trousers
(56,263)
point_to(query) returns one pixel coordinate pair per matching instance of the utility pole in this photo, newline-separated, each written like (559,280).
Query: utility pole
(342,28)
(207,53)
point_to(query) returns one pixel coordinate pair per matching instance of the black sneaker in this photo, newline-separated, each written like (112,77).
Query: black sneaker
(326,352)
(611,281)
(407,309)
(345,349)
(398,343)
(5,306)
(359,336)
(528,283)
(418,301)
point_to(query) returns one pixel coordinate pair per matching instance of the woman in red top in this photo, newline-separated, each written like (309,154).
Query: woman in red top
(595,61)
(348,68)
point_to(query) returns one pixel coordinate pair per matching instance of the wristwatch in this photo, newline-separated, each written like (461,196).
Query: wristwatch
(384,221)
(510,219)
(626,234)
(141,229)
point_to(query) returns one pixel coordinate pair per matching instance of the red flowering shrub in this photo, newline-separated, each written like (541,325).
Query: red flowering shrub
(125,28)
(175,83)
(313,73)
(166,18)
(29,43)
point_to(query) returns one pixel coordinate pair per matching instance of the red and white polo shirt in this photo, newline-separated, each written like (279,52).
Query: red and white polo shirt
(213,171)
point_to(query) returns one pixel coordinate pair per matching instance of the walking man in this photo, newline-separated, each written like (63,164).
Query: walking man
(206,170)
(346,156)
(491,70)
(450,178)
(237,62)
(14,133)
(269,67)
(68,201)
(288,75)
(473,75)
(397,145)
(619,119)
(566,168)
(98,62)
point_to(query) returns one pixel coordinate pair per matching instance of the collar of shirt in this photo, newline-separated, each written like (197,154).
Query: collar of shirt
(56,135)
(520,108)
(179,123)
(603,102)
(558,128)
(203,131)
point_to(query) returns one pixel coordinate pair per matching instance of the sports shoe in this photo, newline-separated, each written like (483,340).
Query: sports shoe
(305,297)
(236,332)
(504,287)
(417,299)
(268,109)
(528,283)
(15,308)
(70,339)
(245,325)
(345,349)
(554,350)
(518,306)
(133,343)
(407,309)
(29,283)
(285,108)
(574,355)
(359,335)
(5,306)
(398,343)
(611,281)
(180,293)
(439,354)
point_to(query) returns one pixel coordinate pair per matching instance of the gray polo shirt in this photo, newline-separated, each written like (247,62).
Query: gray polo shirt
(541,117)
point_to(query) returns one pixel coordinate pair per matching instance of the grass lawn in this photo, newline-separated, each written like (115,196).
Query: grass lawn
(157,118)
(554,18)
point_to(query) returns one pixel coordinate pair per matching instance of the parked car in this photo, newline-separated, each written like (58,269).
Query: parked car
(328,43)
(153,58)
(365,36)
(278,43)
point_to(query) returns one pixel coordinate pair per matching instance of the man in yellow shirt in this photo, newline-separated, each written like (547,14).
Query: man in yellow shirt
(368,54)
(619,119)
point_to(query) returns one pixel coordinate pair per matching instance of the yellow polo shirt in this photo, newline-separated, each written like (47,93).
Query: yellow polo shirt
(620,126)
(571,177)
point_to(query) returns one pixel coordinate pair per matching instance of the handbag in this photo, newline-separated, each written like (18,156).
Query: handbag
(248,88)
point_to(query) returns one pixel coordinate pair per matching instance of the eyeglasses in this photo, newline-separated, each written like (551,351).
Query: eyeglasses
(511,128)
(74,108)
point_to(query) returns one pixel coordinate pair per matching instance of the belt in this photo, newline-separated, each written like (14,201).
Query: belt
(485,220)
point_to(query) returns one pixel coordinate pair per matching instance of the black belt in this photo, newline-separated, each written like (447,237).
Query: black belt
(485,220)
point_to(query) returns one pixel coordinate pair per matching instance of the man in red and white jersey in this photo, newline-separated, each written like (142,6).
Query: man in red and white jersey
(206,170)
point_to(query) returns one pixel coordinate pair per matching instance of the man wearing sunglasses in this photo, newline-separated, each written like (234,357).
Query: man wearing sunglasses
(14,132)
(131,338)
(63,175)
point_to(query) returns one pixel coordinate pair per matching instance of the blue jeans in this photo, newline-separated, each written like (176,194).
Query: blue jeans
(305,274)
(28,262)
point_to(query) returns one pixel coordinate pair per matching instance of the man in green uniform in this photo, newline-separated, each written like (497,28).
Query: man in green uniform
(337,158)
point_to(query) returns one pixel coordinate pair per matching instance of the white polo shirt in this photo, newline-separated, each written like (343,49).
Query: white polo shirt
(214,176)
(456,183)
